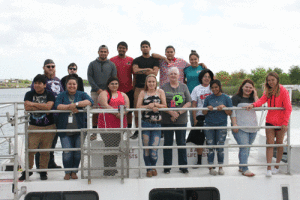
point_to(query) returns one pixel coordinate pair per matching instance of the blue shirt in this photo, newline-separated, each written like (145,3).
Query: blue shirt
(191,74)
(63,98)
(216,118)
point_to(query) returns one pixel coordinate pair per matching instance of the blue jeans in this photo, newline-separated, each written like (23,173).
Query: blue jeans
(150,138)
(244,138)
(215,137)
(180,141)
(71,159)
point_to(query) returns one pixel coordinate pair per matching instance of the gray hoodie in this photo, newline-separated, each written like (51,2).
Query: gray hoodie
(99,72)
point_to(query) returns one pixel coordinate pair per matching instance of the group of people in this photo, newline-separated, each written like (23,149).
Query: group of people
(123,80)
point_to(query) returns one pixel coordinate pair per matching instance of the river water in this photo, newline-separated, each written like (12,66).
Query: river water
(17,95)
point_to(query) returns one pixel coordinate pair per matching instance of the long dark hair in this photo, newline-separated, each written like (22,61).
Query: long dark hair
(240,91)
(111,79)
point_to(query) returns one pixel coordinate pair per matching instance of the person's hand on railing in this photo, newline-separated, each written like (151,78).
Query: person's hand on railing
(118,115)
(210,108)
(150,106)
(220,107)
(73,108)
(249,107)
(155,109)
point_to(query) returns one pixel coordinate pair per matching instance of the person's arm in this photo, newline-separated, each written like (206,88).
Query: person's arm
(163,101)
(288,108)
(140,100)
(160,57)
(137,70)
(152,71)
(188,100)
(203,65)
(205,105)
(103,100)
(114,70)
(234,123)
(127,102)
(32,106)
(258,103)
(91,80)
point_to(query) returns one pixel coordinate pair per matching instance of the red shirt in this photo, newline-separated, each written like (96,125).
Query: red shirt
(124,72)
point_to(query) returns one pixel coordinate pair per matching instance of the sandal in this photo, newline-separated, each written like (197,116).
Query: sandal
(248,173)
(67,177)
(74,176)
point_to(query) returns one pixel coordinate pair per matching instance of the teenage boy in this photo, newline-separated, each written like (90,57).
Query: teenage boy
(39,99)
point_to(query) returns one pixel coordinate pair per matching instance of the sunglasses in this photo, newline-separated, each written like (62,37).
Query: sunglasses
(72,69)
(49,66)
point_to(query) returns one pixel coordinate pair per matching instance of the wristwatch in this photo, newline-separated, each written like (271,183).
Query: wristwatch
(76,104)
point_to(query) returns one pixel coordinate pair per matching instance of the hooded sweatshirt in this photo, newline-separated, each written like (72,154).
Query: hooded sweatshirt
(277,117)
(99,72)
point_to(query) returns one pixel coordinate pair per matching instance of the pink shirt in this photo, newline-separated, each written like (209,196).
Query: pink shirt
(164,68)
(108,120)
(277,117)
(124,72)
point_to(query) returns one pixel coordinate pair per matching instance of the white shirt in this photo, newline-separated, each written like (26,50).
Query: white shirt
(199,94)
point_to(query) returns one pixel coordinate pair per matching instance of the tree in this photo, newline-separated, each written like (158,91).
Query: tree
(224,77)
(278,70)
(284,79)
(294,73)
(258,75)
(237,78)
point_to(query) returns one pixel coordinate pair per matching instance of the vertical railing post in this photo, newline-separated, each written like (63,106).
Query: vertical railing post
(89,143)
(140,142)
(26,151)
(289,149)
(16,156)
(122,142)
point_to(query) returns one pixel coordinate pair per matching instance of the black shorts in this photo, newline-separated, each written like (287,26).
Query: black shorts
(197,136)
(276,129)
(131,98)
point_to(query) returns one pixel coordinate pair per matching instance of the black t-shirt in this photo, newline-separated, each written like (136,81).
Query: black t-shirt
(79,87)
(40,119)
(144,63)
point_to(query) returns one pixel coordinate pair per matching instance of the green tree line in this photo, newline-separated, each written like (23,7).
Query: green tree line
(231,82)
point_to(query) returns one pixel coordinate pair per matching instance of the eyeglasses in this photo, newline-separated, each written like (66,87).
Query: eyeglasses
(49,66)
(72,69)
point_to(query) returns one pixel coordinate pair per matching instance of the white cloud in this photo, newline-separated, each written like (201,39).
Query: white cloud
(228,36)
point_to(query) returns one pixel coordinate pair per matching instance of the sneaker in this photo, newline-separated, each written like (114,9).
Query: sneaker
(135,135)
(167,171)
(184,171)
(269,173)
(275,170)
(43,176)
(213,172)
(23,176)
(221,171)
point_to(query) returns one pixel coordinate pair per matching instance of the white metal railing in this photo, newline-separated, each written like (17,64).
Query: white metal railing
(16,121)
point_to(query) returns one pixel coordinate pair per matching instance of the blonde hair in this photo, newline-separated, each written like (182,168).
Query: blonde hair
(272,91)
(150,75)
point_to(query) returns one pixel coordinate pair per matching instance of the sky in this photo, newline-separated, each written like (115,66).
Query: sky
(228,35)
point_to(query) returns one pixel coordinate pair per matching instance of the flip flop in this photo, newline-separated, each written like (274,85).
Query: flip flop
(248,173)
